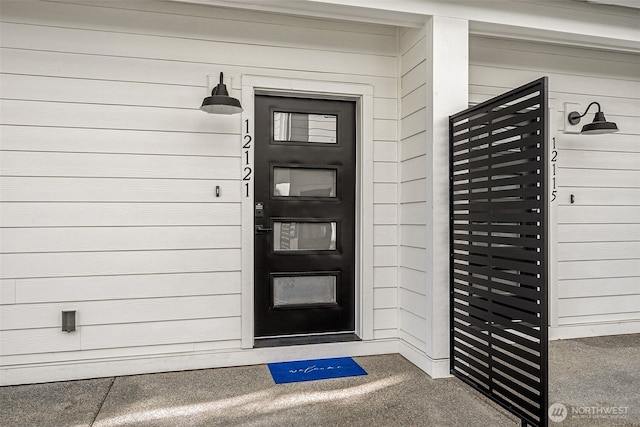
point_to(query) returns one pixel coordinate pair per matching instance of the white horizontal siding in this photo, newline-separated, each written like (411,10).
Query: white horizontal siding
(18,361)
(601,178)
(7,291)
(385,151)
(109,170)
(385,256)
(61,264)
(209,24)
(385,235)
(179,48)
(413,213)
(385,277)
(593,251)
(385,214)
(413,190)
(117,141)
(33,316)
(58,89)
(59,214)
(598,235)
(142,190)
(149,70)
(385,172)
(91,165)
(570,233)
(40,113)
(123,287)
(31,341)
(63,239)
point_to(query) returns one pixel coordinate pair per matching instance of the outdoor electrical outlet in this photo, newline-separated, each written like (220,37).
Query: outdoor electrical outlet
(568,127)
(68,321)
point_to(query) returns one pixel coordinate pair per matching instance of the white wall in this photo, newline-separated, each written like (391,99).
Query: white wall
(412,288)
(597,239)
(109,172)
(434,77)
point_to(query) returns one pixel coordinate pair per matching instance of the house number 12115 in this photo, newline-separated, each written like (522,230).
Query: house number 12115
(247,172)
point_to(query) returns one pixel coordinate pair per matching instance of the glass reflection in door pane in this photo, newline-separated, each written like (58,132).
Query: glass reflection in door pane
(304,236)
(301,182)
(303,127)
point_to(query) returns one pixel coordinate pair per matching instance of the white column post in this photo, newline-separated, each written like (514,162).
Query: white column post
(448,76)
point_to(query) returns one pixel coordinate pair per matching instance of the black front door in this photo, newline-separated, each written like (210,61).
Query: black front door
(305,186)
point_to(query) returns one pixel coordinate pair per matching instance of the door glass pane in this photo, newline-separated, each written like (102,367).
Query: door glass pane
(303,290)
(304,236)
(300,182)
(302,127)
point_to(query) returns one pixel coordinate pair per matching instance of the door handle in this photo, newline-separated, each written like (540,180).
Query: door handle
(261,229)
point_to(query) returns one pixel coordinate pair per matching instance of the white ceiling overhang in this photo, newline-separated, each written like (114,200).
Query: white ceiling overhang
(611,26)
(321,9)
(624,3)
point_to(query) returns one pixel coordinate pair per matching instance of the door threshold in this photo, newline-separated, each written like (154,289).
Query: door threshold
(302,340)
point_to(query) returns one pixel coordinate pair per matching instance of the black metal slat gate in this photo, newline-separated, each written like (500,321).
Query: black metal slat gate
(498,272)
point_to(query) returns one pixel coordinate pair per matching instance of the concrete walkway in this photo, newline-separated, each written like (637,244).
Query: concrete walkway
(592,376)
(588,373)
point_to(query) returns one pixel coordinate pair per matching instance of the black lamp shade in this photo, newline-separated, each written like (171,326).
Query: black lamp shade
(599,125)
(220,102)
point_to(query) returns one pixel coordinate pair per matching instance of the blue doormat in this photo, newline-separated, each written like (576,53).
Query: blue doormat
(318,369)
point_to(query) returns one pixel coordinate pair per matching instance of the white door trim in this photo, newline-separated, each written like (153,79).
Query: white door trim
(363,95)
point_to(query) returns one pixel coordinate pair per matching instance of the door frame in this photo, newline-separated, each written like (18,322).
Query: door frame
(362,94)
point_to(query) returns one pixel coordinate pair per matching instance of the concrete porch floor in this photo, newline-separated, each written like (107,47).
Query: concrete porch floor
(585,373)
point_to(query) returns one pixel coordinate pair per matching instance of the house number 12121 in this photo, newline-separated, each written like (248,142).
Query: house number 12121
(554,159)
(247,172)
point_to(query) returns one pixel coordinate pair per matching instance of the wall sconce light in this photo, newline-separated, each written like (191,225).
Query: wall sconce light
(220,102)
(599,125)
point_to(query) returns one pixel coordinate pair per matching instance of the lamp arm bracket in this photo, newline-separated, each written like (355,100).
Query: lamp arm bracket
(574,116)
(589,106)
